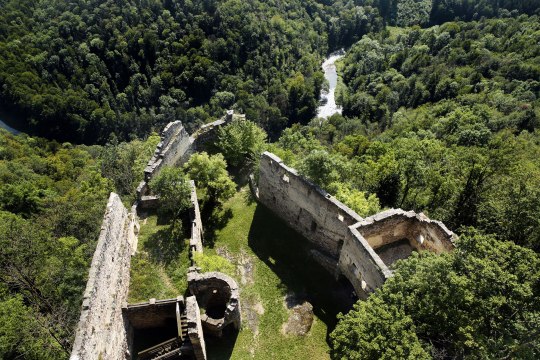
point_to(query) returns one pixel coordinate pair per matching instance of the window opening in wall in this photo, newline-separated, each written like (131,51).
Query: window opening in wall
(340,246)
(313,226)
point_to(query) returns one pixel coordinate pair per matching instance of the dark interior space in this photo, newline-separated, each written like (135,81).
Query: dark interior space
(392,252)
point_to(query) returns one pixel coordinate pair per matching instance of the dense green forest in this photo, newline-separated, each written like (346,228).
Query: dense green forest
(82,70)
(445,121)
(441,115)
(52,201)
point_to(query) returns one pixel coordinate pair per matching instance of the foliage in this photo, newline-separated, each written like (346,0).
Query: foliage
(209,263)
(172,187)
(124,162)
(82,70)
(241,142)
(362,204)
(433,12)
(461,65)
(211,176)
(442,121)
(477,302)
(322,168)
(52,203)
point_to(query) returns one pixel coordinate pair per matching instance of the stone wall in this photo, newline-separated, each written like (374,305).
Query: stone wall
(395,224)
(102,332)
(175,148)
(195,331)
(152,314)
(311,211)
(218,291)
(344,243)
(196,240)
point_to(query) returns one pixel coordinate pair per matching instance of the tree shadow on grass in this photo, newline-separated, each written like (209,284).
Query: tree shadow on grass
(214,218)
(166,244)
(287,254)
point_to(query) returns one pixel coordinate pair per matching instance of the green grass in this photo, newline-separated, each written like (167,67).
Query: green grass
(159,268)
(252,234)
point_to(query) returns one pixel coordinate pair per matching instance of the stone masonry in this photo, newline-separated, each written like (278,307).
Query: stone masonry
(175,148)
(102,330)
(345,243)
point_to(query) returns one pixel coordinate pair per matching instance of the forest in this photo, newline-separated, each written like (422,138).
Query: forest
(441,115)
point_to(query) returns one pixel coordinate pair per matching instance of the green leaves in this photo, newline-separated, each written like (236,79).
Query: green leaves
(172,186)
(478,302)
(211,177)
(241,142)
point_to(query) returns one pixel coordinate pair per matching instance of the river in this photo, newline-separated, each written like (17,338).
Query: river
(5,126)
(328,101)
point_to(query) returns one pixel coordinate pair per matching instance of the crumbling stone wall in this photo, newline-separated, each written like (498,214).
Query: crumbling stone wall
(152,314)
(102,332)
(175,148)
(196,240)
(395,224)
(311,211)
(195,331)
(345,243)
(216,289)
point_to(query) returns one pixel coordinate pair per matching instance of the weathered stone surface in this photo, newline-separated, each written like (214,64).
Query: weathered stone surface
(215,290)
(311,211)
(345,243)
(152,314)
(196,240)
(300,316)
(102,332)
(195,331)
(148,202)
(176,146)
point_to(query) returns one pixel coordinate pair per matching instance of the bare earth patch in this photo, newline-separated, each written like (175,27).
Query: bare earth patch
(243,261)
(300,316)
(251,310)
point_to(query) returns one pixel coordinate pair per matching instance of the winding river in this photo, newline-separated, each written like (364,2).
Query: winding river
(328,102)
(5,126)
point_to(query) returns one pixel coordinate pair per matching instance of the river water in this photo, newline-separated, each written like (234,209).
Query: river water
(328,101)
(5,126)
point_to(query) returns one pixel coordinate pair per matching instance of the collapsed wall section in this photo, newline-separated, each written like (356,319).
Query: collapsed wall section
(311,211)
(102,332)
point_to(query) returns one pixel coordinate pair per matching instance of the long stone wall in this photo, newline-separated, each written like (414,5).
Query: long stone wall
(311,211)
(102,332)
(196,239)
(344,242)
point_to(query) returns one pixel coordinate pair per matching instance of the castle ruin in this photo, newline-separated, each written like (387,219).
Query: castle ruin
(361,250)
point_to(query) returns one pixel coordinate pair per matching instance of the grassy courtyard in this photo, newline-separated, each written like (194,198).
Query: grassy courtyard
(159,268)
(270,263)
